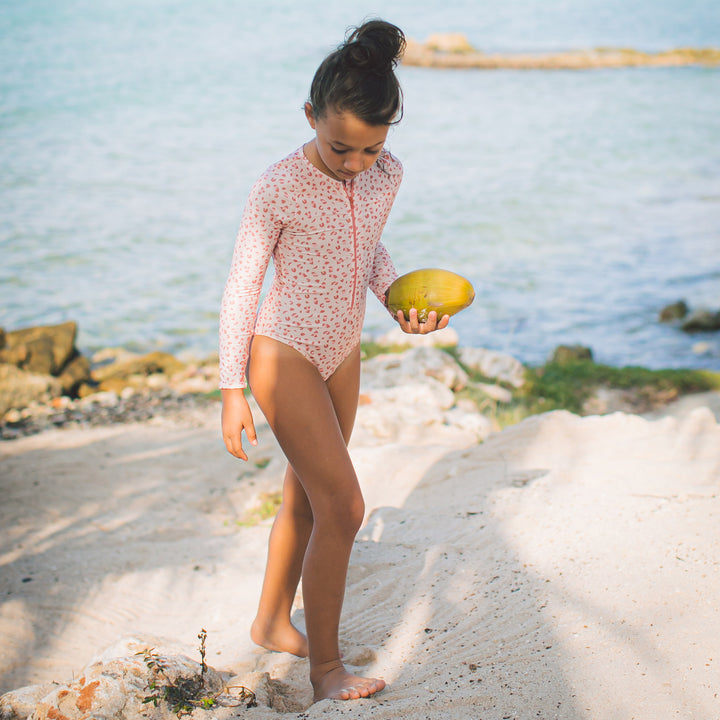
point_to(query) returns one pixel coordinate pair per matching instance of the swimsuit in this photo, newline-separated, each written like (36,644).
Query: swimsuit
(324,237)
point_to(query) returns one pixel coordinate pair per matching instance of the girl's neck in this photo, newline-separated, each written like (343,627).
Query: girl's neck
(311,153)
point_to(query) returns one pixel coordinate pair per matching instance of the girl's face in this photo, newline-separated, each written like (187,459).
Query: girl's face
(344,146)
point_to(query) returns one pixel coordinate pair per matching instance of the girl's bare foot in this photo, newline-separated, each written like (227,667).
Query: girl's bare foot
(332,681)
(279,637)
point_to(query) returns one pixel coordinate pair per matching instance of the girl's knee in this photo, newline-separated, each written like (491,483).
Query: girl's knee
(345,513)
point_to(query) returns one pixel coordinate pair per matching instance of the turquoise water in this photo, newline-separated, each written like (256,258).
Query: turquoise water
(578,203)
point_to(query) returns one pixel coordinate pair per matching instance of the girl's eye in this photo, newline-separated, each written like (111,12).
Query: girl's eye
(338,152)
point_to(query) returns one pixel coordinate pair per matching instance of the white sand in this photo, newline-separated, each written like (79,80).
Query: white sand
(566,568)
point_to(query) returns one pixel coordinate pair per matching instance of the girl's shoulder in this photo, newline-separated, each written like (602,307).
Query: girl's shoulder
(390,165)
(281,175)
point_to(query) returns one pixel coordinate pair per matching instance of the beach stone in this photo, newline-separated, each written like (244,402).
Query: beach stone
(570,353)
(701,320)
(154,362)
(395,369)
(19,704)
(447,337)
(391,411)
(494,365)
(39,356)
(19,388)
(46,348)
(76,372)
(104,398)
(675,311)
(118,688)
(495,392)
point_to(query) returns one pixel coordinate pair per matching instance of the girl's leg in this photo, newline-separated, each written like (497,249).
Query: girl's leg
(289,537)
(312,420)
(272,627)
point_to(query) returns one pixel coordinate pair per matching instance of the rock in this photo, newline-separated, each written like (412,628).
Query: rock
(449,43)
(495,392)
(391,411)
(104,398)
(19,704)
(494,365)
(701,320)
(118,689)
(570,353)
(19,388)
(447,337)
(395,369)
(471,422)
(75,373)
(15,356)
(154,362)
(46,349)
(675,311)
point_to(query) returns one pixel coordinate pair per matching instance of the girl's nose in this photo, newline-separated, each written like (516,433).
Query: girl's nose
(354,163)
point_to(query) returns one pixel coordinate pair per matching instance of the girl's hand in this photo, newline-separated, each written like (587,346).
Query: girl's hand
(236,417)
(413,327)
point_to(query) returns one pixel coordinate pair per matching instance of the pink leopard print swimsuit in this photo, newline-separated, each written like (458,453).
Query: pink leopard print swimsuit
(324,237)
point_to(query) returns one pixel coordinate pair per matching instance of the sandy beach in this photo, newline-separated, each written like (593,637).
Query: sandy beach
(566,567)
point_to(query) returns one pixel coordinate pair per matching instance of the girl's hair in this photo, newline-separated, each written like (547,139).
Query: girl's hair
(359,76)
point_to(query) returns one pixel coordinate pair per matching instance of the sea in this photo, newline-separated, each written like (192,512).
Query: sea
(578,203)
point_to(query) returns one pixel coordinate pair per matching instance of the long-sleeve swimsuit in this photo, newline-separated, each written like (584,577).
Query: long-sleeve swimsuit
(324,238)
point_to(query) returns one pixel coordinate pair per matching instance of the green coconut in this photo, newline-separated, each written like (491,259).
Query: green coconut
(430,289)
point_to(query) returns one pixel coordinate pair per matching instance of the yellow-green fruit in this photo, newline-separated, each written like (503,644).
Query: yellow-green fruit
(431,289)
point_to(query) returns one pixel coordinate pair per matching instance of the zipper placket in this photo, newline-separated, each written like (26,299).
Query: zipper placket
(350,191)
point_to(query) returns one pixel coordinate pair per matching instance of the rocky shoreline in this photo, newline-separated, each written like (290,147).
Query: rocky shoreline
(453,51)
(46,382)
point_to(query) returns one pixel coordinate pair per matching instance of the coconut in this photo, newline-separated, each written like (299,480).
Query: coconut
(430,289)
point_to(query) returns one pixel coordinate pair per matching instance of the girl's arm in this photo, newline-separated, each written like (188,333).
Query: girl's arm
(256,239)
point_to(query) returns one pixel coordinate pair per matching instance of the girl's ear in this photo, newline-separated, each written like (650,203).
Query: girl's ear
(309,115)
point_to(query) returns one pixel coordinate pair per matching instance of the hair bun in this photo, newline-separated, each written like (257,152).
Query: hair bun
(376,47)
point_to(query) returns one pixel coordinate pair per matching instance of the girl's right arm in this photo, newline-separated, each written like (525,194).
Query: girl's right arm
(236,417)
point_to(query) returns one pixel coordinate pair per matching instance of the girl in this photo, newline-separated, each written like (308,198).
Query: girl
(319,214)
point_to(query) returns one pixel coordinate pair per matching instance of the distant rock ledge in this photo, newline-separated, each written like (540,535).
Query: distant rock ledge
(453,51)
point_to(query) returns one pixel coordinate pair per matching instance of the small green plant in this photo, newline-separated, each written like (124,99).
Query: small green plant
(187,694)
(268,507)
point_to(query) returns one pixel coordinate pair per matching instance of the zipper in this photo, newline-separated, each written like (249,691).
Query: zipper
(350,191)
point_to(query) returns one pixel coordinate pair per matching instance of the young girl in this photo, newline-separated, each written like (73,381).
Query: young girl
(319,214)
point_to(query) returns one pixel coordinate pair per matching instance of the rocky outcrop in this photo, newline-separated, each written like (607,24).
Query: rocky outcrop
(453,51)
(701,320)
(143,682)
(38,364)
(18,388)
(570,353)
(691,320)
(41,366)
(494,365)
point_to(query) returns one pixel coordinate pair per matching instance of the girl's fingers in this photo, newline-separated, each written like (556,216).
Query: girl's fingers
(414,327)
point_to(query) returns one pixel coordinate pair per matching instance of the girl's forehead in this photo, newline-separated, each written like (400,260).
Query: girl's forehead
(349,130)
